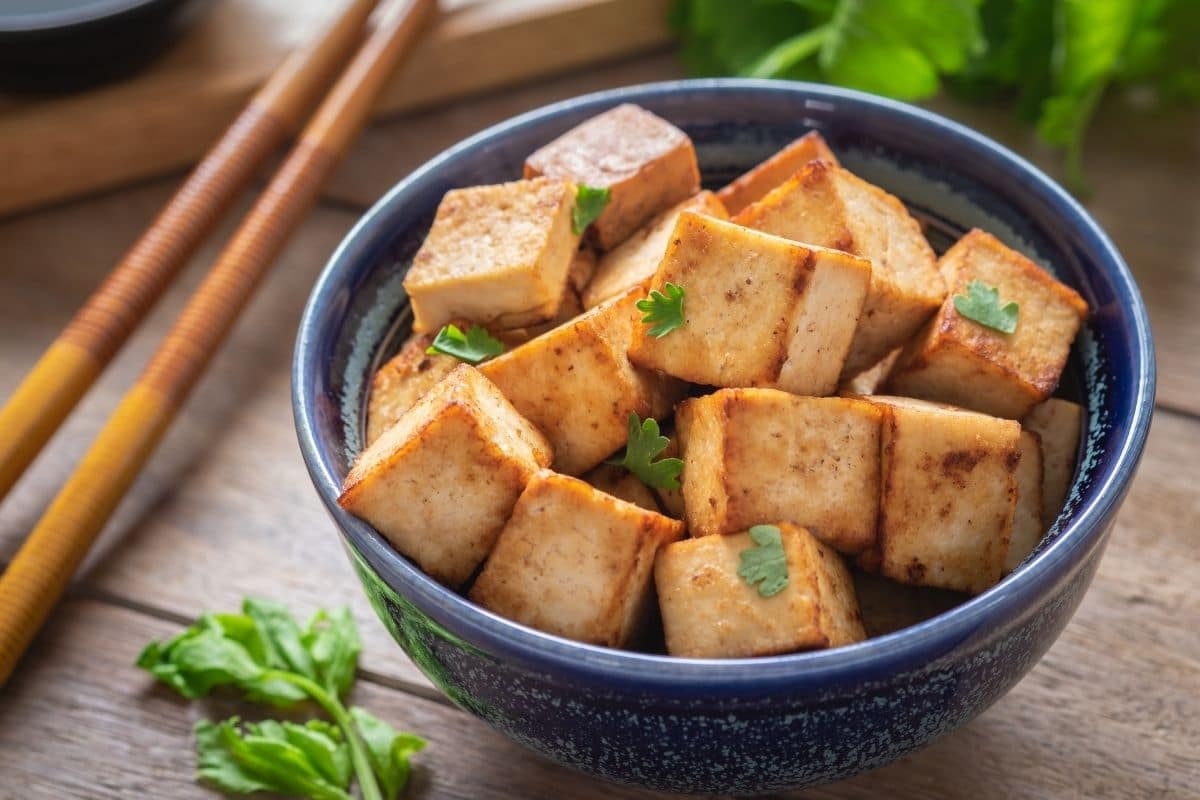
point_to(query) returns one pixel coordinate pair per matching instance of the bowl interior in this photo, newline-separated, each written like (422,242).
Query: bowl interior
(951,178)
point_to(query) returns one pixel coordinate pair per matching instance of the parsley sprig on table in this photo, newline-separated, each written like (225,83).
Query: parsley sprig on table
(473,347)
(664,310)
(765,563)
(590,202)
(644,444)
(1055,58)
(981,304)
(265,653)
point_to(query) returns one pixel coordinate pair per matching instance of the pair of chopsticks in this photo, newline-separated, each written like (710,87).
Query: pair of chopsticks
(38,575)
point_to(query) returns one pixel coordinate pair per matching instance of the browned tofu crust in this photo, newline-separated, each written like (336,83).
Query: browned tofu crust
(752,186)
(577,385)
(709,611)
(1058,424)
(828,206)
(497,255)
(755,310)
(754,454)
(647,162)
(402,381)
(634,261)
(956,360)
(440,483)
(948,495)
(575,562)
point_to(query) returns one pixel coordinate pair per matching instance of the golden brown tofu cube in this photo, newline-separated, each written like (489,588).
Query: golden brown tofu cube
(647,163)
(949,494)
(495,254)
(957,360)
(1058,424)
(634,261)
(755,454)
(440,483)
(576,384)
(754,185)
(709,611)
(759,310)
(1027,525)
(828,206)
(575,562)
(623,485)
(401,382)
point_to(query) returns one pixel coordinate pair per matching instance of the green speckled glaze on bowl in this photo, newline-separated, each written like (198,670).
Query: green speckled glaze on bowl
(746,725)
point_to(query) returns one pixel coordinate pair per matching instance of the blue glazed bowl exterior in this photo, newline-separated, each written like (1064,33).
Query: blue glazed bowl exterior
(754,725)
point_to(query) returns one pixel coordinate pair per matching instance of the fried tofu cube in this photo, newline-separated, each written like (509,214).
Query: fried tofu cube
(495,254)
(576,384)
(949,495)
(648,164)
(754,185)
(1027,527)
(441,482)
(401,382)
(623,485)
(709,611)
(575,562)
(755,454)
(759,310)
(957,360)
(1058,424)
(634,261)
(828,206)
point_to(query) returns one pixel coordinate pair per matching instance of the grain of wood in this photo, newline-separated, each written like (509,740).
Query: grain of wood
(166,116)
(160,548)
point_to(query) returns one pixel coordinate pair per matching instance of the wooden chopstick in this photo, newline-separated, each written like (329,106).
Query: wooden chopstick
(43,566)
(77,357)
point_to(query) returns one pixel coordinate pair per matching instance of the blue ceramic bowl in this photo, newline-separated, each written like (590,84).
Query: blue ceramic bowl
(753,725)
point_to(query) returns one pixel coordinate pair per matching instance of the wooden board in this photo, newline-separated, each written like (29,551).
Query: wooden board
(226,509)
(165,117)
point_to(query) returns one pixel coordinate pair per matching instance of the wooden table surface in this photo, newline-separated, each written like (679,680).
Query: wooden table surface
(226,510)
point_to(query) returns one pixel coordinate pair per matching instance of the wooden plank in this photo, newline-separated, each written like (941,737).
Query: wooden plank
(80,721)
(164,118)
(1109,713)
(1135,162)
(226,508)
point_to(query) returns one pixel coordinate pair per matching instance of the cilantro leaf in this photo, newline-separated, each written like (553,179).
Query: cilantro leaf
(664,310)
(265,653)
(590,202)
(300,760)
(765,563)
(332,640)
(388,749)
(981,304)
(473,347)
(644,443)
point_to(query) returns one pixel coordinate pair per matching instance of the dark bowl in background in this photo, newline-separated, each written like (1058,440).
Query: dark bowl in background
(57,45)
(745,725)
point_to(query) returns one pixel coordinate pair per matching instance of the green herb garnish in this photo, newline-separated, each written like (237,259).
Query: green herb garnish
(310,760)
(590,202)
(765,562)
(1054,58)
(644,443)
(664,310)
(982,304)
(266,654)
(474,346)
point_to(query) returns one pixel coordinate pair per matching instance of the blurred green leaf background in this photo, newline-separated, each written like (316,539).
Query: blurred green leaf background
(1052,59)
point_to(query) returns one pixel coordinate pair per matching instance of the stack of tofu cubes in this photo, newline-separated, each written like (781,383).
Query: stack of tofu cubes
(822,382)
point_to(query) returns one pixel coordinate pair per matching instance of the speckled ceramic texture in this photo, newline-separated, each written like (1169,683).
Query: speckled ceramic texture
(754,725)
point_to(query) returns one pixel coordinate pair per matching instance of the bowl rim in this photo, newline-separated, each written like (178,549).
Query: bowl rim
(62,19)
(907,648)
